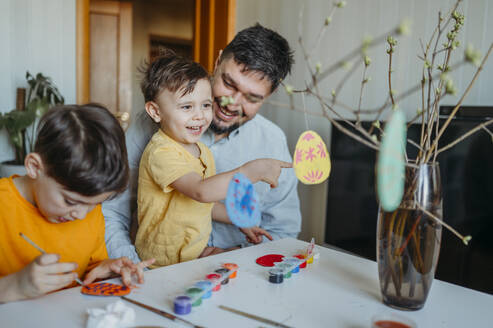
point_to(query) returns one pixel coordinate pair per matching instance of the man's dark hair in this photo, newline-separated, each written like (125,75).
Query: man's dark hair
(83,149)
(172,72)
(263,50)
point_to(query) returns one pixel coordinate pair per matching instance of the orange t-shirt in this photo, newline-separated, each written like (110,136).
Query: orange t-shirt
(80,241)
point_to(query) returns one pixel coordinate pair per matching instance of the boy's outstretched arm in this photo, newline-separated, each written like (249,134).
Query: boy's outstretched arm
(43,275)
(214,188)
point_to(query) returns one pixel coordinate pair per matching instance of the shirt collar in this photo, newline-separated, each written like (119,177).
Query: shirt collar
(181,148)
(208,136)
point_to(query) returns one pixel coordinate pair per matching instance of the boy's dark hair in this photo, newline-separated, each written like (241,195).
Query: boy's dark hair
(263,50)
(83,149)
(172,72)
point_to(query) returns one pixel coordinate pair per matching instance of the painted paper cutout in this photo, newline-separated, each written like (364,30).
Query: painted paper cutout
(311,159)
(105,289)
(242,202)
(391,163)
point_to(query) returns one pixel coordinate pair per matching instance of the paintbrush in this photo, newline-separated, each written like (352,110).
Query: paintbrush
(161,312)
(43,252)
(254,317)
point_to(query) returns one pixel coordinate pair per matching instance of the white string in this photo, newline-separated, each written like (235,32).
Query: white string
(304,110)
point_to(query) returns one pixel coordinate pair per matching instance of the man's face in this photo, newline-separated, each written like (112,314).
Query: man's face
(248,89)
(59,205)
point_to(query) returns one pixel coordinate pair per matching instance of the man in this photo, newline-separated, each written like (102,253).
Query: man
(247,72)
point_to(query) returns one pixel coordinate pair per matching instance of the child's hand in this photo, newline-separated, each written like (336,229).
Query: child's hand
(122,266)
(45,274)
(265,169)
(254,234)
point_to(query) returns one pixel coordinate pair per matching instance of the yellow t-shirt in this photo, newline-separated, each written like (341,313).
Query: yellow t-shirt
(80,241)
(172,227)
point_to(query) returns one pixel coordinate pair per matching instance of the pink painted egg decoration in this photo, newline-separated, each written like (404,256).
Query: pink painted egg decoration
(311,160)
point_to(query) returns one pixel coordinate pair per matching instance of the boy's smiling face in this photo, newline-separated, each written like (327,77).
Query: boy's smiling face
(59,205)
(184,118)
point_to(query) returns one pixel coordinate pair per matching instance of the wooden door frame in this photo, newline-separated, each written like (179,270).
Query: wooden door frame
(82,51)
(83,8)
(206,58)
(211,31)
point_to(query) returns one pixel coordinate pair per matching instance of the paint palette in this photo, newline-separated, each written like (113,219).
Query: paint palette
(269,260)
(105,289)
(285,267)
(204,289)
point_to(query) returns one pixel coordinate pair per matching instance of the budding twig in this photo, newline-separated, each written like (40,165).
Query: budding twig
(465,239)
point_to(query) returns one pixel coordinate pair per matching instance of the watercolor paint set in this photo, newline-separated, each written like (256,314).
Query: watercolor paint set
(283,267)
(203,289)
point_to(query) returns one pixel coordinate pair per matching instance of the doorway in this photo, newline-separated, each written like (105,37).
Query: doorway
(107,67)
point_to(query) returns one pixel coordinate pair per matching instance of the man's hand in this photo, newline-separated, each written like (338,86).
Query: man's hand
(254,234)
(122,266)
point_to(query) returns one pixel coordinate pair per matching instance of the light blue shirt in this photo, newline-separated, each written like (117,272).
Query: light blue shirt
(257,138)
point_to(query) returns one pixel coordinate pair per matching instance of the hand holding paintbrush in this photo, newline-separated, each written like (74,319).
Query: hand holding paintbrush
(43,275)
(46,274)
(43,252)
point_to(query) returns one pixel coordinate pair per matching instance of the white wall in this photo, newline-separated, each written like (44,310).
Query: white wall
(349,26)
(38,36)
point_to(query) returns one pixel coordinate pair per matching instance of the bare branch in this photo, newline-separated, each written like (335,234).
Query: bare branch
(467,134)
(457,106)
(355,52)
(465,239)
(291,107)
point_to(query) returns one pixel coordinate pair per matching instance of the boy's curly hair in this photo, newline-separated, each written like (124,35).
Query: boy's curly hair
(172,72)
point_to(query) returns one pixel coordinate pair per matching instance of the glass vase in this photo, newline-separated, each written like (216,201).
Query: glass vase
(408,240)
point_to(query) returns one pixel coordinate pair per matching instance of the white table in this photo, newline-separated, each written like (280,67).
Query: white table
(338,290)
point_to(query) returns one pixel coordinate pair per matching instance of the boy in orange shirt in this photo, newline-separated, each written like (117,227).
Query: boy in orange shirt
(79,161)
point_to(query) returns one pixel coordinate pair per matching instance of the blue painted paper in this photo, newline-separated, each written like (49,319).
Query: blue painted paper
(242,203)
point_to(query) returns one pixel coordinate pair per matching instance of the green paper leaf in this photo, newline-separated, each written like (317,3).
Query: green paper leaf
(391,163)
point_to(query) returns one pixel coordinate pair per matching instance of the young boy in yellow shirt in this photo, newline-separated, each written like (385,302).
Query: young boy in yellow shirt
(79,160)
(177,182)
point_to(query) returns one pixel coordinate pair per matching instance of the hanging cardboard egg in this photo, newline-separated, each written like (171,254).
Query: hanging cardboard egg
(391,163)
(311,160)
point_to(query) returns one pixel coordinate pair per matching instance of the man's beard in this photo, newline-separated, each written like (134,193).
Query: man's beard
(222,130)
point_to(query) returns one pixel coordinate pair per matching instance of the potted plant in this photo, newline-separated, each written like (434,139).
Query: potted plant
(20,123)
(409,231)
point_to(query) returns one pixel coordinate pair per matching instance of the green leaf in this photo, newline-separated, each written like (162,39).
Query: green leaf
(42,87)
(41,95)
